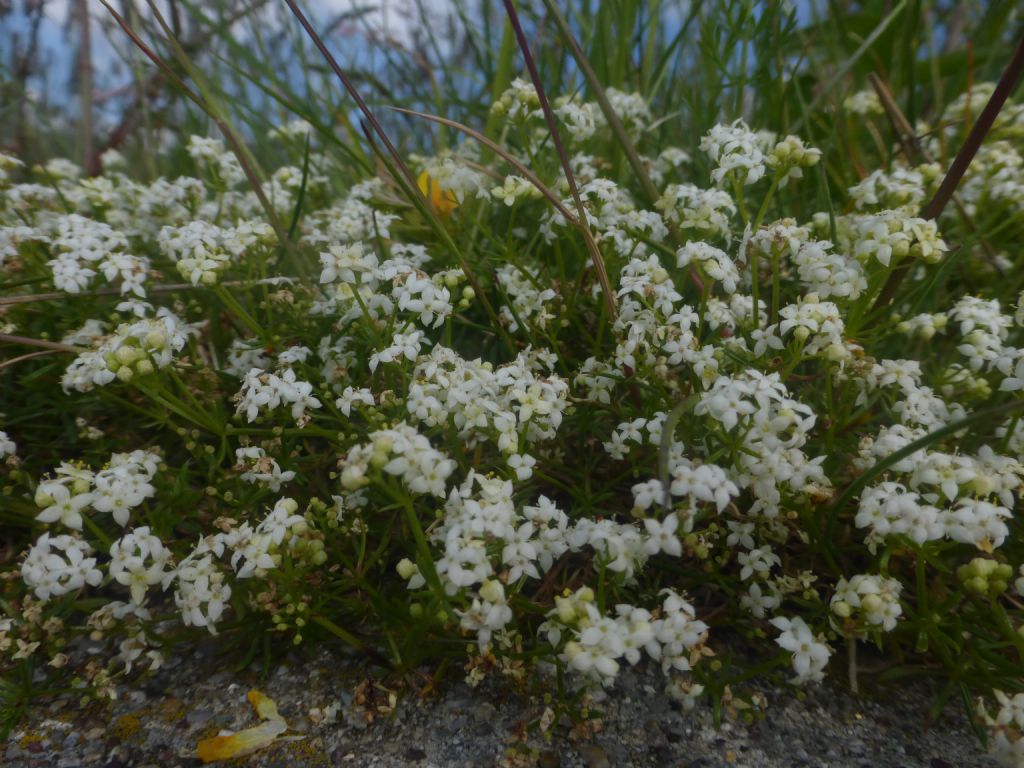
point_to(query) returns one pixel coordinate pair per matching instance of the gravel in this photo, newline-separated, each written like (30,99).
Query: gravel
(158,721)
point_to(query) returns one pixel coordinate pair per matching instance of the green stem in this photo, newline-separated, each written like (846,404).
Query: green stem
(776,289)
(763,210)
(422,546)
(232,303)
(173,404)
(338,632)
(96,531)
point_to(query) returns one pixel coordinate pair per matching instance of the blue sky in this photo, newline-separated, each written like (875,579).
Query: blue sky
(110,47)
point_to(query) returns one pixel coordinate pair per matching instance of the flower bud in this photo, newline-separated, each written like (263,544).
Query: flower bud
(871,603)
(976,584)
(406,568)
(841,609)
(492,591)
(126,355)
(566,612)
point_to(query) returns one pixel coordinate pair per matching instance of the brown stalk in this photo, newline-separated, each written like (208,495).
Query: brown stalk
(549,117)
(85,79)
(29,356)
(143,91)
(963,159)
(167,288)
(352,91)
(621,135)
(615,123)
(28,342)
(916,152)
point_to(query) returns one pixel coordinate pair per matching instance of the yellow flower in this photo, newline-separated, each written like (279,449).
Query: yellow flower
(440,199)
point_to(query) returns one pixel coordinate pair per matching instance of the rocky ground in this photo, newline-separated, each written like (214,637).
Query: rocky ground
(329,706)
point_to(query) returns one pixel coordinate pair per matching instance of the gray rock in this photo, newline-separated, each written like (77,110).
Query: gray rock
(193,697)
(197,718)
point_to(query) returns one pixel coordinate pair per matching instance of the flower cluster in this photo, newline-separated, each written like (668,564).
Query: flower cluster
(117,489)
(134,350)
(740,436)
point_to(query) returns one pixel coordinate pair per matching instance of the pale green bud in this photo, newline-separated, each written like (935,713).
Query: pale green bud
(406,568)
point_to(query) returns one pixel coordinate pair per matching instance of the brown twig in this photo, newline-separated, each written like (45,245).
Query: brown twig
(166,288)
(615,123)
(29,342)
(352,91)
(85,79)
(961,162)
(144,91)
(29,356)
(916,152)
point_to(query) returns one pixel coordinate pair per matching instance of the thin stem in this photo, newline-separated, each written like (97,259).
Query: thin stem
(232,303)
(26,341)
(556,139)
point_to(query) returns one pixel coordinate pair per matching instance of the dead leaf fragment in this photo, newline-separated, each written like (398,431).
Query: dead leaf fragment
(242,743)
(251,739)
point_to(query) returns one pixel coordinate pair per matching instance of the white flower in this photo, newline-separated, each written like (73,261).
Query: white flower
(405,345)
(201,593)
(737,151)
(758,561)
(522,465)
(876,598)
(714,262)
(138,560)
(661,536)
(56,565)
(261,468)
(61,505)
(261,390)
(347,263)
(759,601)
(810,654)
(7,446)
(124,485)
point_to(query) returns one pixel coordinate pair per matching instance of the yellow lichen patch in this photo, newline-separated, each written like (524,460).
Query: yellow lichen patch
(126,726)
(29,738)
(443,201)
(307,752)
